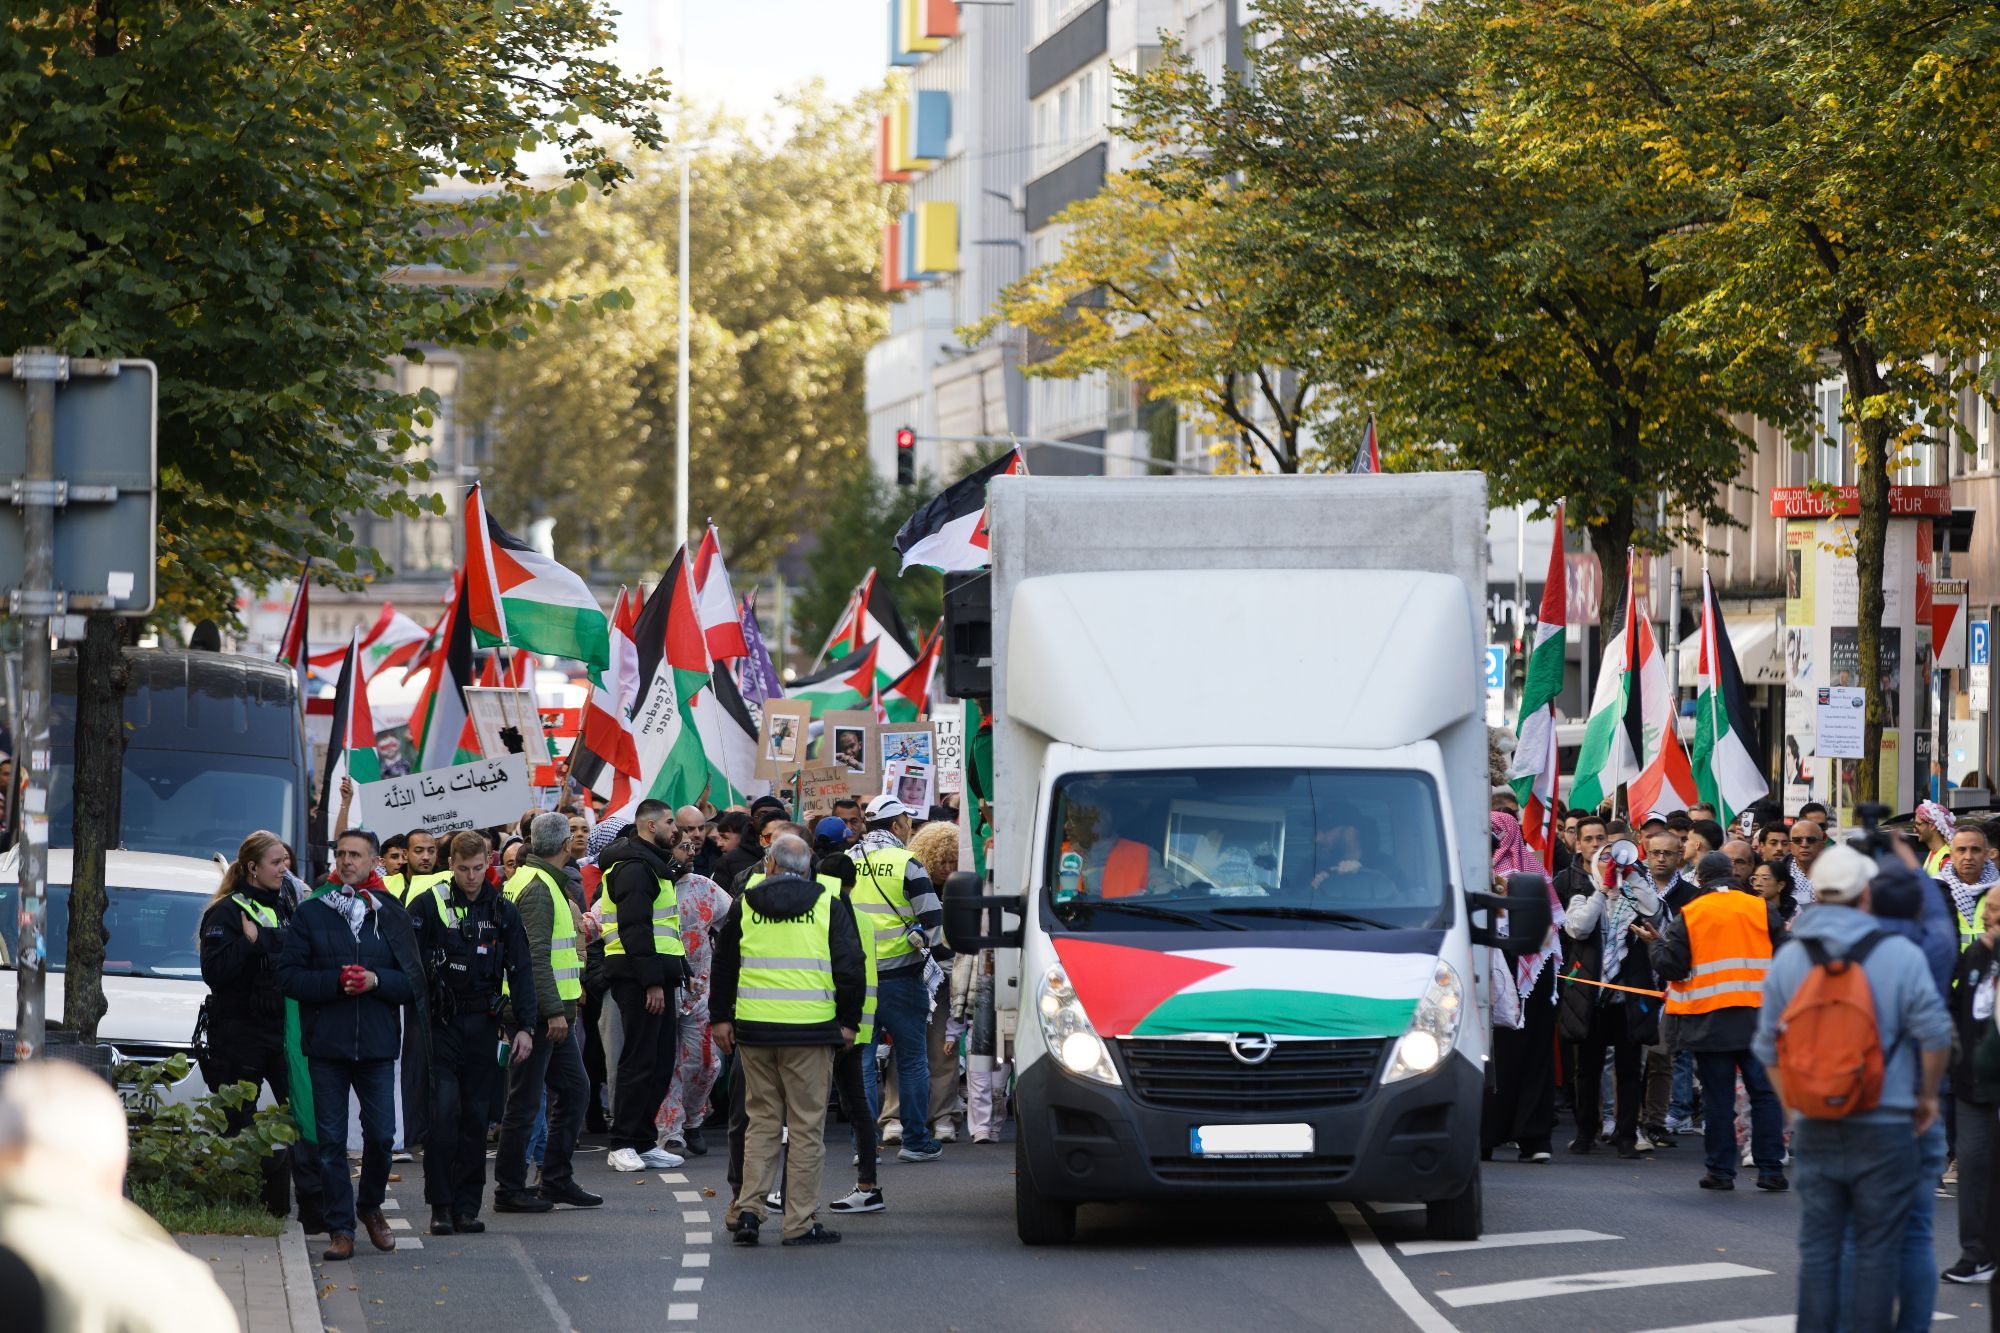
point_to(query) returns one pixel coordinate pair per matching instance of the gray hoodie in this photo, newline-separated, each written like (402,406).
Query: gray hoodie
(1907,1007)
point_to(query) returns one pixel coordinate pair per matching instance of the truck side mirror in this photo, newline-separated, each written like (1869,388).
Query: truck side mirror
(1527,907)
(966,906)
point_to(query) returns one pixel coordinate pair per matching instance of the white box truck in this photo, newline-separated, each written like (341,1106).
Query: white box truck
(1241,843)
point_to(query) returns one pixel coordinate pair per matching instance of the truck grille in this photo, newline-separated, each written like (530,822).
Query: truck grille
(1202,1076)
(1242,1170)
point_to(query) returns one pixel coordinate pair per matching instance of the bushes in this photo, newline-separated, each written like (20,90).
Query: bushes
(184,1162)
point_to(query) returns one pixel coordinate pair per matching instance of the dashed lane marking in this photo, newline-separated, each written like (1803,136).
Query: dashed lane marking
(694,1261)
(1494,1293)
(672,1178)
(687,1196)
(688,1283)
(701,1237)
(1382,1267)
(695,1215)
(398,1223)
(1499,1240)
(683,1310)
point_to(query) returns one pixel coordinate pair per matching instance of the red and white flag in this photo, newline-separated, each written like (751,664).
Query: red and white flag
(715,601)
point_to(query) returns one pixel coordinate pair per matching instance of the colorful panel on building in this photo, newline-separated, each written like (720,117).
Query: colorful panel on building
(899,50)
(892,259)
(915,15)
(930,124)
(940,17)
(886,154)
(936,238)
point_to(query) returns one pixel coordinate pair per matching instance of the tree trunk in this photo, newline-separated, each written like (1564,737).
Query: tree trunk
(1872,459)
(1611,540)
(101,675)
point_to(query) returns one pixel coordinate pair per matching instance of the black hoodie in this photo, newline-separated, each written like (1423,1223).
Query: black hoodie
(781,898)
(629,890)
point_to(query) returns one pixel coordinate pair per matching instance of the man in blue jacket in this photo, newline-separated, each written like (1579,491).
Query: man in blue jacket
(350,960)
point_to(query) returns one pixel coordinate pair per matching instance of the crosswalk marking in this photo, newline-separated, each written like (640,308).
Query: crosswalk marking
(390,1205)
(398,1223)
(683,1310)
(687,1283)
(1500,1240)
(700,1237)
(687,1196)
(694,1261)
(1494,1293)
(408,1243)
(694,1215)
(1777,1323)
(672,1178)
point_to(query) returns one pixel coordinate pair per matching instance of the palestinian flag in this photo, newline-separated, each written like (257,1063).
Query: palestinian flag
(721,625)
(605,752)
(516,595)
(843,684)
(1368,458)
(729,739)
(1536,768)
(871,617)
(949,534)
(1726,773)
(350,752)
(673,667)
(440,728)
(393,640)
(1630,739)
(909,696)
(292,644)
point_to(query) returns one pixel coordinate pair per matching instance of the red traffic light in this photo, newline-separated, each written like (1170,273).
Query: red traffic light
(906,438)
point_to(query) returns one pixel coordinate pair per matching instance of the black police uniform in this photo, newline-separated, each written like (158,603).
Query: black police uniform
(246,1033)
(467,948)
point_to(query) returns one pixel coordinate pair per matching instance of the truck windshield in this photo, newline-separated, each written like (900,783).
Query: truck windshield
(183,803)
(1247,849)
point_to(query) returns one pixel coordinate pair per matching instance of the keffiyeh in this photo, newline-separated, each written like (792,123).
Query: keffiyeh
(1513,856)
(354,901)
(1939,818)
(1965,897)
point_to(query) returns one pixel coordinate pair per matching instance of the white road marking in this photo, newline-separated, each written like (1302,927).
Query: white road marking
(398,1223)
(688,1283)
(1383,1269)
(390,1205)
(694,1215)
(694,1261)
(1777,1323)
(563,1323)
(408,1243)
(683,1310)
(1500,1240)
(672,1178)
(1395,1207)
(1493,1293)
(687,1196)
(701,1238)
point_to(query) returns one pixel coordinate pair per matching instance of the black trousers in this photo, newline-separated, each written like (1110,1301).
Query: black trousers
(1607,1033)
(556,1068)
(847,1085)
(465,1074)
(739,1125)
(1521,1104)
(646,1058)
(593,1053)
(236,1058)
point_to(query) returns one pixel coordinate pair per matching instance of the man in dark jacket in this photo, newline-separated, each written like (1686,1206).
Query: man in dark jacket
(771,1002)
(1607,928)
(1971,1014)
(642,960)
(470,937)
(348,960)
(1714,955)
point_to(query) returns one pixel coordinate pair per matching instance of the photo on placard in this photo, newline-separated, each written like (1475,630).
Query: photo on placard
(848,741)
(781,748)
(850,748)
(909,743)
(781,741)
(913,786)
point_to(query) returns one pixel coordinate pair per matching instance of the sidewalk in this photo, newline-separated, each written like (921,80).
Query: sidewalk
(268,1280)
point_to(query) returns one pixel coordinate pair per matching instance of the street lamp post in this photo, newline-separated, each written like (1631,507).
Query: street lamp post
(681,288)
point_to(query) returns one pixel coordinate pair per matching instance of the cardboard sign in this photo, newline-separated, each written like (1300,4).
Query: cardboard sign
(948,724)
(781,745)
(495,709)
(482,794)
(819,788)
(908,743)
(849,740)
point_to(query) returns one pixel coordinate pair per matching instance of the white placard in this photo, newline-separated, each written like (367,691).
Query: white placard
(948,726)
(1840,720)
(482,794)
(495,708)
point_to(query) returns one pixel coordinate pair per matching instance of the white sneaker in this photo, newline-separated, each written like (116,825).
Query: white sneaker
(859,1201)
(659,1159)
(1643,1144)
(624,1159)
(947,1132)
(893,1134)
(775,1199)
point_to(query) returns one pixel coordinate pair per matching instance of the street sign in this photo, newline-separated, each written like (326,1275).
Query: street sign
(1979,655)
(1496,684)
(1949,613)
(105,490)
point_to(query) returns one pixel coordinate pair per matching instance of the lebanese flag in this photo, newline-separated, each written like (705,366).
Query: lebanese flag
(440,728)
(516,595)
(909,697)
(949,534)
(1630,738)
(605,751)
(350,752)
(847,683)
(292,643)
(1368,458)
(716,601)
(392,640)
(1536,769)
(673,668)
(1726,772)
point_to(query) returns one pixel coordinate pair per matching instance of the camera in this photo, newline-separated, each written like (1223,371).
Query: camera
(1872,839)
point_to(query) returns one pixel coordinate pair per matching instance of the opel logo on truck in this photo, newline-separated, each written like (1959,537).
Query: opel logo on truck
(1251,1048)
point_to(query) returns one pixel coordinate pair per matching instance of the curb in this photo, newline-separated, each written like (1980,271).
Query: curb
(301,1299)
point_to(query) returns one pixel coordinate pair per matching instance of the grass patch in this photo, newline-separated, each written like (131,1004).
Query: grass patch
(178,1213)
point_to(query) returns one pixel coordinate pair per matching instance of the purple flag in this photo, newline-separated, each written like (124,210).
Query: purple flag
(756,677)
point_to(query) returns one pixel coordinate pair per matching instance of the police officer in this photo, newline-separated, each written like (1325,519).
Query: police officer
(642,958)
(470,936)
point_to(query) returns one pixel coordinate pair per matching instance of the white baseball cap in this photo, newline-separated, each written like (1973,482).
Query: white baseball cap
(886,807)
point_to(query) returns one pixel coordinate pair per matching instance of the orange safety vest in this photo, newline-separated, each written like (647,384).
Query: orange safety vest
(1729,940)
(1125,870)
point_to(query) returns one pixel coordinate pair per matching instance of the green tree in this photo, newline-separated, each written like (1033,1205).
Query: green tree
(866,510)
(243,192)
(784,251)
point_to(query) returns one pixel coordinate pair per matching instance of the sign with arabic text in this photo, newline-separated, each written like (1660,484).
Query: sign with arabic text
(481,794)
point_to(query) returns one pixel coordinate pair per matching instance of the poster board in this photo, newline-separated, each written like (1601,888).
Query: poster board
(948,723)
(912,783)
(908,743)
(485,793)
(781,743)
(847,733)
(819,788)
(493,709)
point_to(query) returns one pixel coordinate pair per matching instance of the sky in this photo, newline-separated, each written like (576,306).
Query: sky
(743,53)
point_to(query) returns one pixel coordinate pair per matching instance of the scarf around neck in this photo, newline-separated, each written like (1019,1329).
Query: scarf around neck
(1965,897)
(1513,856)
(354,901)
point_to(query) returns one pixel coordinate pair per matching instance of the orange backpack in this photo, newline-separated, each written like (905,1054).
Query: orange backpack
(1829,1048)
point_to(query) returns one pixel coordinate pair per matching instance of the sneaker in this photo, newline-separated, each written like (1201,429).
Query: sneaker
(697,1142)
(947,1132)
(893,1134)
(676,1146)
(1715,1182)
(921,1152)
(1775,1184)
(625,1159)
(1643,1143)
(1534,1155)
(1965,1270)
(861,1201)
(744,1232)
(659,1159)
(1661,1136)
(1692,1127)
(819,1235)
(401,1155)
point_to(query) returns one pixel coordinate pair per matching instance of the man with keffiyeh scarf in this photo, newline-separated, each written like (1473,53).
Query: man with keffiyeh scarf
(1610,1000)
(1967,874)
(350,960)
(1521,1101)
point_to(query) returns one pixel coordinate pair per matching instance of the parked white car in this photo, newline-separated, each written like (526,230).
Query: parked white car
(152,963)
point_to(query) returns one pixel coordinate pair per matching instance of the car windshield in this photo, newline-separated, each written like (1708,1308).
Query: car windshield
(1247,849)
(147,932)
(185,804)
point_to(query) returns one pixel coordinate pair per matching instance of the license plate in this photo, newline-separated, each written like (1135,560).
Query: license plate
(1251,1140)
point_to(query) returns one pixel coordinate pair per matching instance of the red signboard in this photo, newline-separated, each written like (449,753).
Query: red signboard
(1845,502)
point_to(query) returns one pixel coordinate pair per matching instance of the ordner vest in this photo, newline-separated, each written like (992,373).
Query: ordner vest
(866,1033)
(880,905)
(1729,942)
(666,917)
(412,885)
(787,967)
(563,957)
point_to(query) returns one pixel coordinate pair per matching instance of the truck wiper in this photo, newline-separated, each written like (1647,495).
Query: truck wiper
(1158,913)
(1308,914)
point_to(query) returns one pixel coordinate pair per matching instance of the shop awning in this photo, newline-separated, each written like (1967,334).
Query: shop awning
(1759,649)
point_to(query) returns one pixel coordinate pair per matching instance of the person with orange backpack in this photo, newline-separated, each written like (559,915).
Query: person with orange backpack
(1856,1041)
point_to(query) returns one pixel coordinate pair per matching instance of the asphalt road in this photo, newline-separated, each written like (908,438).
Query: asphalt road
(1580,1244)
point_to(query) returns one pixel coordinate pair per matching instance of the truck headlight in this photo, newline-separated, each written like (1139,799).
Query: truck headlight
(1433,1028)
(1067,1030)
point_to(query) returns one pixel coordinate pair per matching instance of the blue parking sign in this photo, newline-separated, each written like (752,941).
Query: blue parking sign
(1979,643)
(1496,666)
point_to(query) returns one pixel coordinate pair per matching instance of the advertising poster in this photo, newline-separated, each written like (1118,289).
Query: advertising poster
(1801,560)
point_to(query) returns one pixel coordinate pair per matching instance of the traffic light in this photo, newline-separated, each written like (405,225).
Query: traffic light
(906,457)
(1517,666)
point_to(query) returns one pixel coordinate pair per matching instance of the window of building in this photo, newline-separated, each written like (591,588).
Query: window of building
(1983,427)
(1830,451)
(1071,116)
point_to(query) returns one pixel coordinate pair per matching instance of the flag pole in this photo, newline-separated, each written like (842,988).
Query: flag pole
(1708,659)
